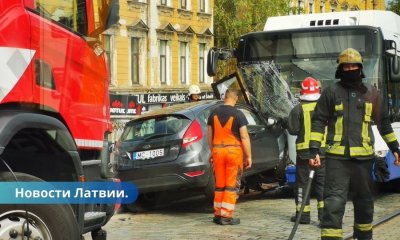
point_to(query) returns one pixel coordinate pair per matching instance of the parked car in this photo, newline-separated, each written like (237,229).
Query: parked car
(167,150)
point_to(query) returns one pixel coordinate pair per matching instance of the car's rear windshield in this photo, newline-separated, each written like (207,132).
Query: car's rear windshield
(158,125)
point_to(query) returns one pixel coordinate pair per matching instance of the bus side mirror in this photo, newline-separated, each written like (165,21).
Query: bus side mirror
(215,54)
(108,13)
(113,14)
(212,60)
(393,60)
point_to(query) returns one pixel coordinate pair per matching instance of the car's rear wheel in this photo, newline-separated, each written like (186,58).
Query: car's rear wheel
(145,202)
(51,222)
(133,208)
(210,188)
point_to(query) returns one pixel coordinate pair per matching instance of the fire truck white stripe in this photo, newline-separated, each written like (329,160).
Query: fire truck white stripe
(89,143)
(13,63)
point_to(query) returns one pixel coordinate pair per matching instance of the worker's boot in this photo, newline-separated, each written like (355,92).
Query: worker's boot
(304,219)
(217,219)
(230,221)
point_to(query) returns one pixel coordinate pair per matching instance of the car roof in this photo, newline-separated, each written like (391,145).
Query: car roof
(186,109)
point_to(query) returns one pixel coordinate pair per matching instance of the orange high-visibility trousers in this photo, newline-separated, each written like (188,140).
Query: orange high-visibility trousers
(228,169)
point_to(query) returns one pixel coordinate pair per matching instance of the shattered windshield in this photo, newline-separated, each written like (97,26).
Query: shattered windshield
(267,90)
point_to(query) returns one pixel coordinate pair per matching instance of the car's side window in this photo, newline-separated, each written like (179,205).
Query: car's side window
(203,117)
(251,117)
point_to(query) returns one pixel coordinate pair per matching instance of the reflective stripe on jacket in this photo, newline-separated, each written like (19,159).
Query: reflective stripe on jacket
(299,124)
(303,139)
(349,114)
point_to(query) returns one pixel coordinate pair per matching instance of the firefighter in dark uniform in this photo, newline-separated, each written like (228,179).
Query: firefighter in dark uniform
(229,141)
(348,108)
(299,124)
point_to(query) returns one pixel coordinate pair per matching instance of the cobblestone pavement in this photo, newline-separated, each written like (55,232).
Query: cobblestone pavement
(262,217)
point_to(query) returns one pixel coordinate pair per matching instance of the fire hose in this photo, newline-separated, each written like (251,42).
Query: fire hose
(305,196)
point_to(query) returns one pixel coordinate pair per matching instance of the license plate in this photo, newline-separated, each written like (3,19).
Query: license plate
(149,154)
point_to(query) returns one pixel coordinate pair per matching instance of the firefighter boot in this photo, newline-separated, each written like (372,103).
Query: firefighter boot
(304,219)
(230,221)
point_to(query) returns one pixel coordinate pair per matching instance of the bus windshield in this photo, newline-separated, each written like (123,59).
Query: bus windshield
(300,54)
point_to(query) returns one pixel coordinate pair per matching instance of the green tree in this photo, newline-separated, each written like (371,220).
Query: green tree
(235,18)
(394,6)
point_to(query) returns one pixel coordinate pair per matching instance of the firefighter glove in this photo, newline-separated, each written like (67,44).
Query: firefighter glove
(381,170)
(395,150)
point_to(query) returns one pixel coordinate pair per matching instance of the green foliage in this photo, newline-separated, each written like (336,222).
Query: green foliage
(235,18)
(394,6)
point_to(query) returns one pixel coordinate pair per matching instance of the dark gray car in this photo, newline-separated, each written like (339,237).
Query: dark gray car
(167,150)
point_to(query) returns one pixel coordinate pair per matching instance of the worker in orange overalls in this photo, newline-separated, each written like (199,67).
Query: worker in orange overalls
(228,139)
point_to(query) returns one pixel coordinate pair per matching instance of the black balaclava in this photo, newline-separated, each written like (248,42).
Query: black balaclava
(351,79)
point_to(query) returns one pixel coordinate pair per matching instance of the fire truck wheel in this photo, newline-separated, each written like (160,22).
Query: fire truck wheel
(40,221)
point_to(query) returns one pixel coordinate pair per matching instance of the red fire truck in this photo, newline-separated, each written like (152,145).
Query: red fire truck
(54,110)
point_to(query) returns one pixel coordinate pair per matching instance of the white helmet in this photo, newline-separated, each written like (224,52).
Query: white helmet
(194,89)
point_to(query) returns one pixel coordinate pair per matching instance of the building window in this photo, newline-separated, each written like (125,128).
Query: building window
(310,7)
(164,2)
(202,63)
(163,61)
(184,4)
(202,5)
(109,49)
(183,62)
(322,8)
(135,60)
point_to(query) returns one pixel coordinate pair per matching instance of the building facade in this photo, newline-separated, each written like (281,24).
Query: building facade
(158,49)
(320,6)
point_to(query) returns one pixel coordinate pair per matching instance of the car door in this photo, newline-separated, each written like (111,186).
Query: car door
(264,137)
(203,119)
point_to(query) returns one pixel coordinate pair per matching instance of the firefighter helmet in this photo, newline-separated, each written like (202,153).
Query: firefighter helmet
(310,90)
(194,89)
(350,55)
